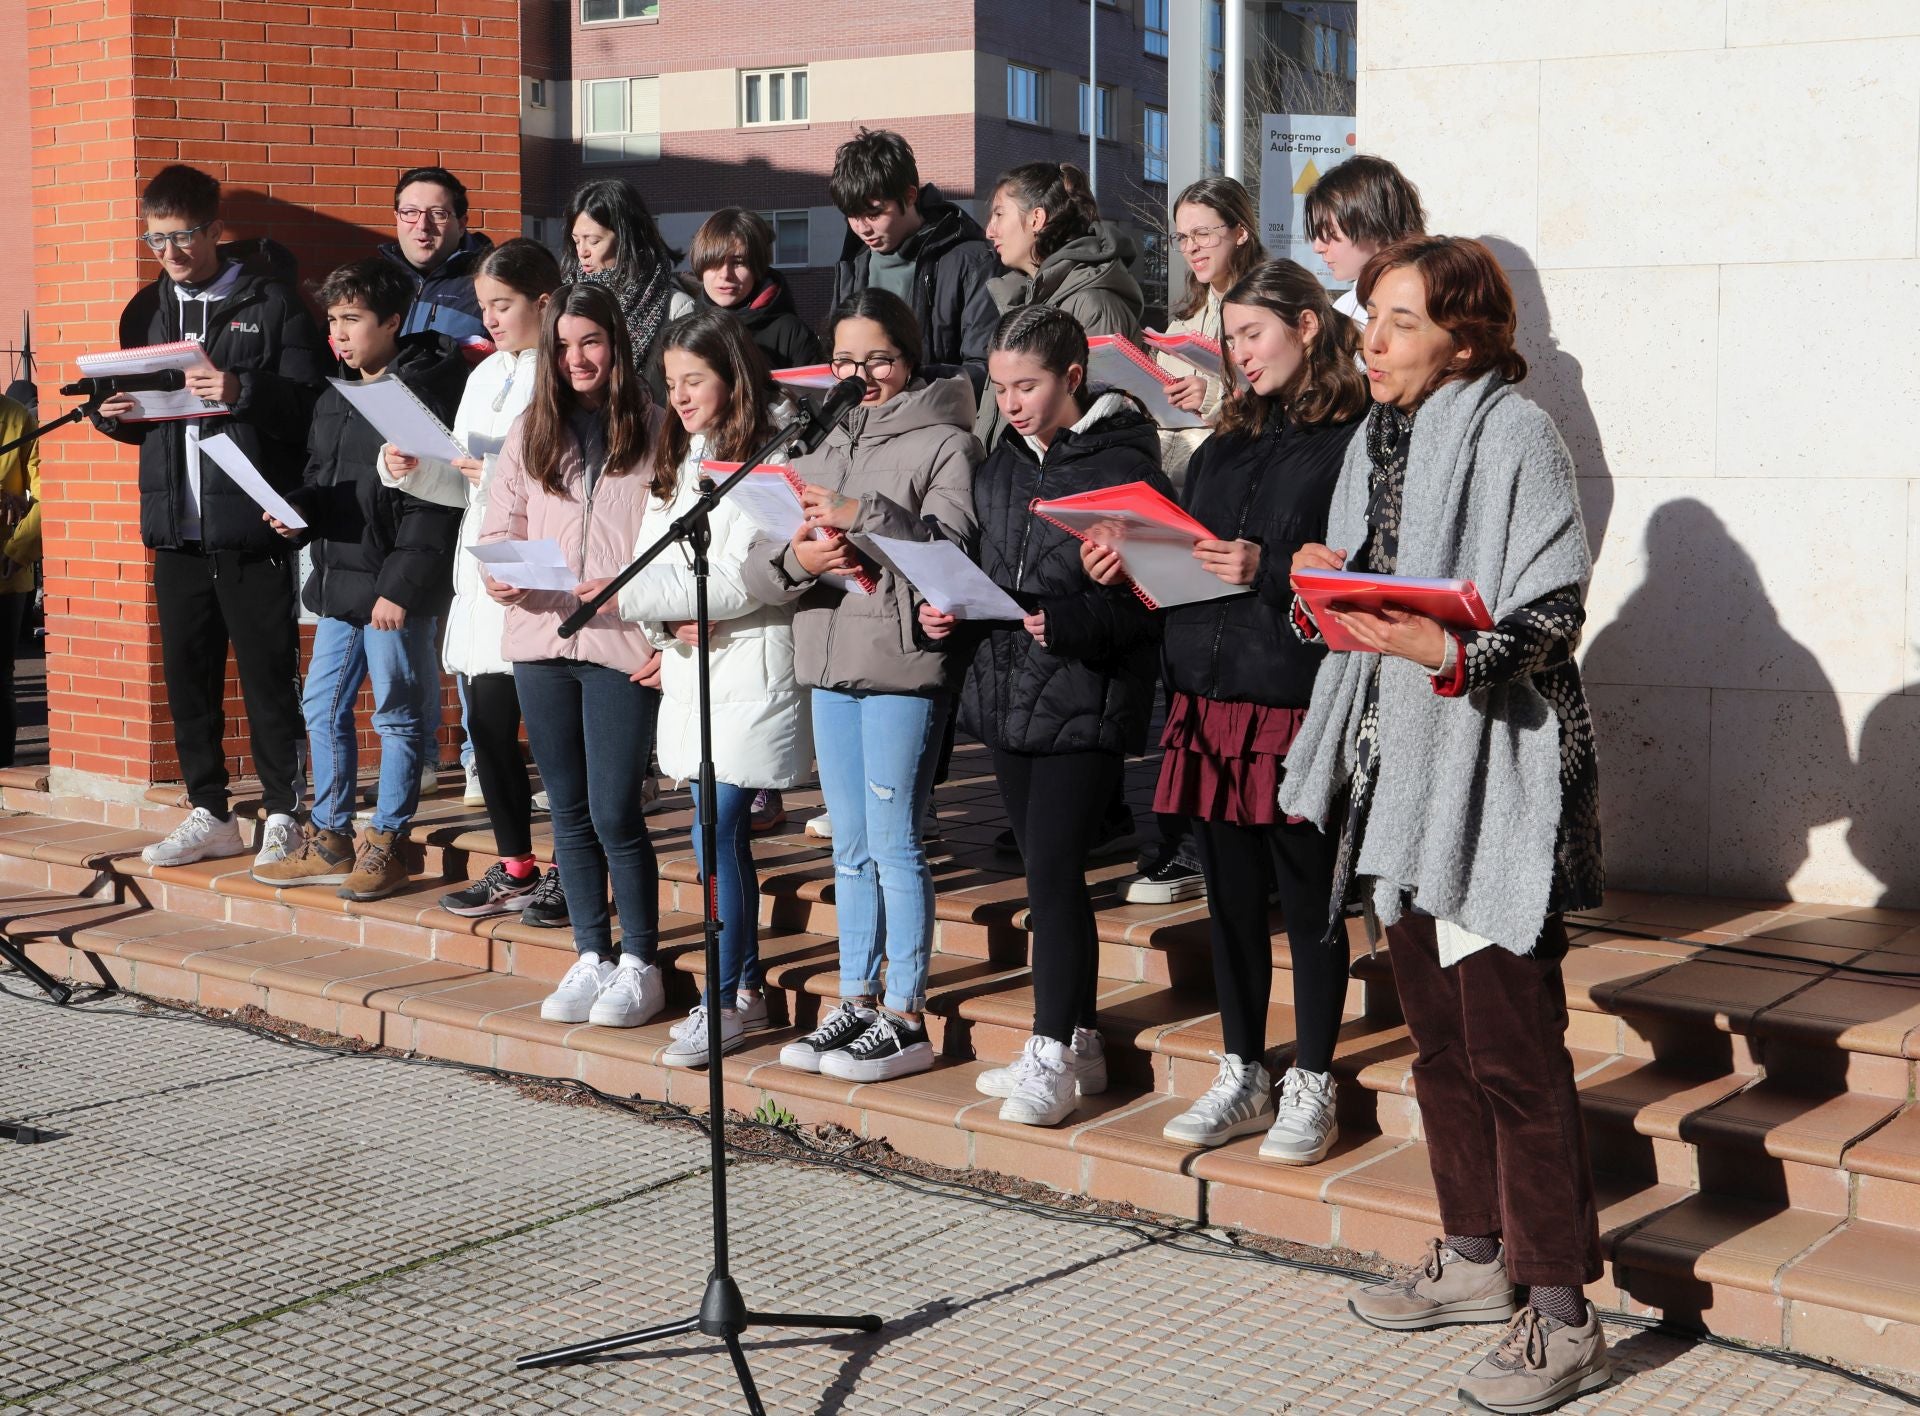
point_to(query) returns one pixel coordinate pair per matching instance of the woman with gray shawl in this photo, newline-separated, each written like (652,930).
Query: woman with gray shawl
(1456,769)
(612,240)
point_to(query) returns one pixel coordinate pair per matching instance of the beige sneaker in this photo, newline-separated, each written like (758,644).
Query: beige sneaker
(321,858)
(1441,1289)
(1538,1363)
(378,870)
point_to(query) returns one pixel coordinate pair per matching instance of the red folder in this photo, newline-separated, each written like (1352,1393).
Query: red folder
(1455,603)
(1154,539)
(1194,350)
(815,376)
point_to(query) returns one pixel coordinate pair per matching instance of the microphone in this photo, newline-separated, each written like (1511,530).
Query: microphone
(160,381)
(844,398)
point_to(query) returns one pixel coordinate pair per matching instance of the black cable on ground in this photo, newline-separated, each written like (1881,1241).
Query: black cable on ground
(1181,1238)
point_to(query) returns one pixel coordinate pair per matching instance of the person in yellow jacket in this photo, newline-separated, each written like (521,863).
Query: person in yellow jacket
(19,551)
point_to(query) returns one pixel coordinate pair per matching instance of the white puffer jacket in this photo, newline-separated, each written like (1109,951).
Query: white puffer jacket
(497,391)
(762,730)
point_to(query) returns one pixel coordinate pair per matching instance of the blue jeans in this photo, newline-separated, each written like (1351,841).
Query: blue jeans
(404,665)
(739,886)
(578,713)
(877,753)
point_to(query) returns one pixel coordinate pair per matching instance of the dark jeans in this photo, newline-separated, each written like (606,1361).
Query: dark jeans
(1497,1100)
(1236,861)
(738,885)
(206,602)
(13,614)
(1051,800)
(493,730)
(580,713)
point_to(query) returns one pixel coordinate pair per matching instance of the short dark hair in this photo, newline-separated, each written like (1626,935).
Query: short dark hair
(1468,295)
(183,192)
(524,264)
(874,165)
(725,229)
(1367,199)
(456,189)
(375,283)
(616,204)
(890,312)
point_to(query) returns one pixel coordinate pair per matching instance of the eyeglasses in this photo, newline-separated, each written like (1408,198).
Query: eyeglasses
(878,365)
(1201,238)
(414,215)
(179,240)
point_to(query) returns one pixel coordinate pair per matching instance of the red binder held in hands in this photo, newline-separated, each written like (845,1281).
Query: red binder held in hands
(1455,603)
(1114,361)
(1153,536)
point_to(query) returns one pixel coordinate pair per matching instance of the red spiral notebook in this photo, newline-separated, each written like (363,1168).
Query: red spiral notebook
(769,497)
(1153,536)
(1195,350)
(1455,603)
(156,405)
(815,376)
(1117,362)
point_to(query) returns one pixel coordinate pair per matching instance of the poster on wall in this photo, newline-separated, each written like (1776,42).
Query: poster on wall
(1296,149)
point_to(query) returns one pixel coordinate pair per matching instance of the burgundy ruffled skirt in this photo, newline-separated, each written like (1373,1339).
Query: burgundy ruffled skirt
(1224,761)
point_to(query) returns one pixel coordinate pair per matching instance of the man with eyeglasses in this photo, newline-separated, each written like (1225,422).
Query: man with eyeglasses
(433,247)
(220,574)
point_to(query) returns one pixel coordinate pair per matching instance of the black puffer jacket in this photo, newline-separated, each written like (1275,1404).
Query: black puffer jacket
(1091,687)
(1274,489)
(775,324)
(370,541)
(260,331)
(952,264)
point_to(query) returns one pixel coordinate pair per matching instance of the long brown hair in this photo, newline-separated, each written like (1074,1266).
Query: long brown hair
(1228,200)
(1468,296)
(1328,387)
(717,339)
(547,437)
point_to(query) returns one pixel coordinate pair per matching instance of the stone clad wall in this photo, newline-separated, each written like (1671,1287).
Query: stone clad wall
(1708,208)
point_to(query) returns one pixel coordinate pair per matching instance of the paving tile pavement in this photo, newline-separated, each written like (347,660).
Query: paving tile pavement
(222,1224)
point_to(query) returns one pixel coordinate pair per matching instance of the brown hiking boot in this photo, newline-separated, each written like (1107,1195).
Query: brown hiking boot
(322,858)
(378,871)
(1539,1363)
(1442,1288)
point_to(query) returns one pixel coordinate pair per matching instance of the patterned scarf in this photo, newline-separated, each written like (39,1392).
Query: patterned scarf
(644,304)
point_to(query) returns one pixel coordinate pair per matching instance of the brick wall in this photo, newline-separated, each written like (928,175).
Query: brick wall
(16,171)
(306,112)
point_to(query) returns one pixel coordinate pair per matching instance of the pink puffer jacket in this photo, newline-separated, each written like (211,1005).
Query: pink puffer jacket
(597,537)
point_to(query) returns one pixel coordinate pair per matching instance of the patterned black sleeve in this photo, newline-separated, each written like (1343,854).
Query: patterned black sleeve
(1528,641)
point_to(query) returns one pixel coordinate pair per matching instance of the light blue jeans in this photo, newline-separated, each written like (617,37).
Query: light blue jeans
(404,665)
(877,754)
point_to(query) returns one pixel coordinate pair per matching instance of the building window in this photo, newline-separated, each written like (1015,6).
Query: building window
(789,237)
(1027,95)
(620,120)
(1107,126)
(1326,48)
(1154,21)
(593,12)
(1216,157)
(536,93)
(1154,140)
(772,96)
(1216,36)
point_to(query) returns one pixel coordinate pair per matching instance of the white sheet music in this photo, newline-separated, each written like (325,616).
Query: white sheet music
(401,418)
(244,475)
(526,565)
(951,583)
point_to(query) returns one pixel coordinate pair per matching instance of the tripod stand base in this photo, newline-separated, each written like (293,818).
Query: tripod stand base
(723,1314)
(48,984)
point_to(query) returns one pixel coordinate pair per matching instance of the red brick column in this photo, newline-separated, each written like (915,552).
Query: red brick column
(306,112)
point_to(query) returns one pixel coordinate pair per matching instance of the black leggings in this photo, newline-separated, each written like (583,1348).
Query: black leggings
(493,727)
(1053,802)
(1236,859)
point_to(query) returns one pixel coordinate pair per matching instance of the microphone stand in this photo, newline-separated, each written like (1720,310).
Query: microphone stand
(723,1311)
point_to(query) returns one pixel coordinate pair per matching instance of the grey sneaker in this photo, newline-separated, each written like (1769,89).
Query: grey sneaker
(1441,1289)
(1239,1102)
(1087,1062)
(1538,1363)
(1304,1128)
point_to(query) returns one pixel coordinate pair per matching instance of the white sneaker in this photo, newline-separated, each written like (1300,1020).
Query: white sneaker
(838,1029)
(1239,1102)
(279,838)
(540,802)
(1304,1127)
(752,1013)
(689,1045)
(821,827)
(474,796)
(1087,1060)
(1045,1094)
(635,994)
(202,836)
(429,779)
(572,1001)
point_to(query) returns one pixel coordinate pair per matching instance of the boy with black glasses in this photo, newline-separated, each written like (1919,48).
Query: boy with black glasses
(220,574)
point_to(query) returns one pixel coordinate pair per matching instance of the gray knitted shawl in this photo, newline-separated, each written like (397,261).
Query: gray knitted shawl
(1467,798)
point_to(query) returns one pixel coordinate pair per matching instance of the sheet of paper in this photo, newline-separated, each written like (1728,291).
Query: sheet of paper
(244,475)
(528,565)
(951,582)
(400,418)
(768,500)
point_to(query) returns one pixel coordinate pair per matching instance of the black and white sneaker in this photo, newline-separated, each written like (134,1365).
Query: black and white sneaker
(494,893)
(890,1047)
(547,905)
(1167,883)
(836,1031)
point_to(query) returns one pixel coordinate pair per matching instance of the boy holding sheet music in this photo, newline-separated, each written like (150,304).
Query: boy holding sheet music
(220,574)
(382,577)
